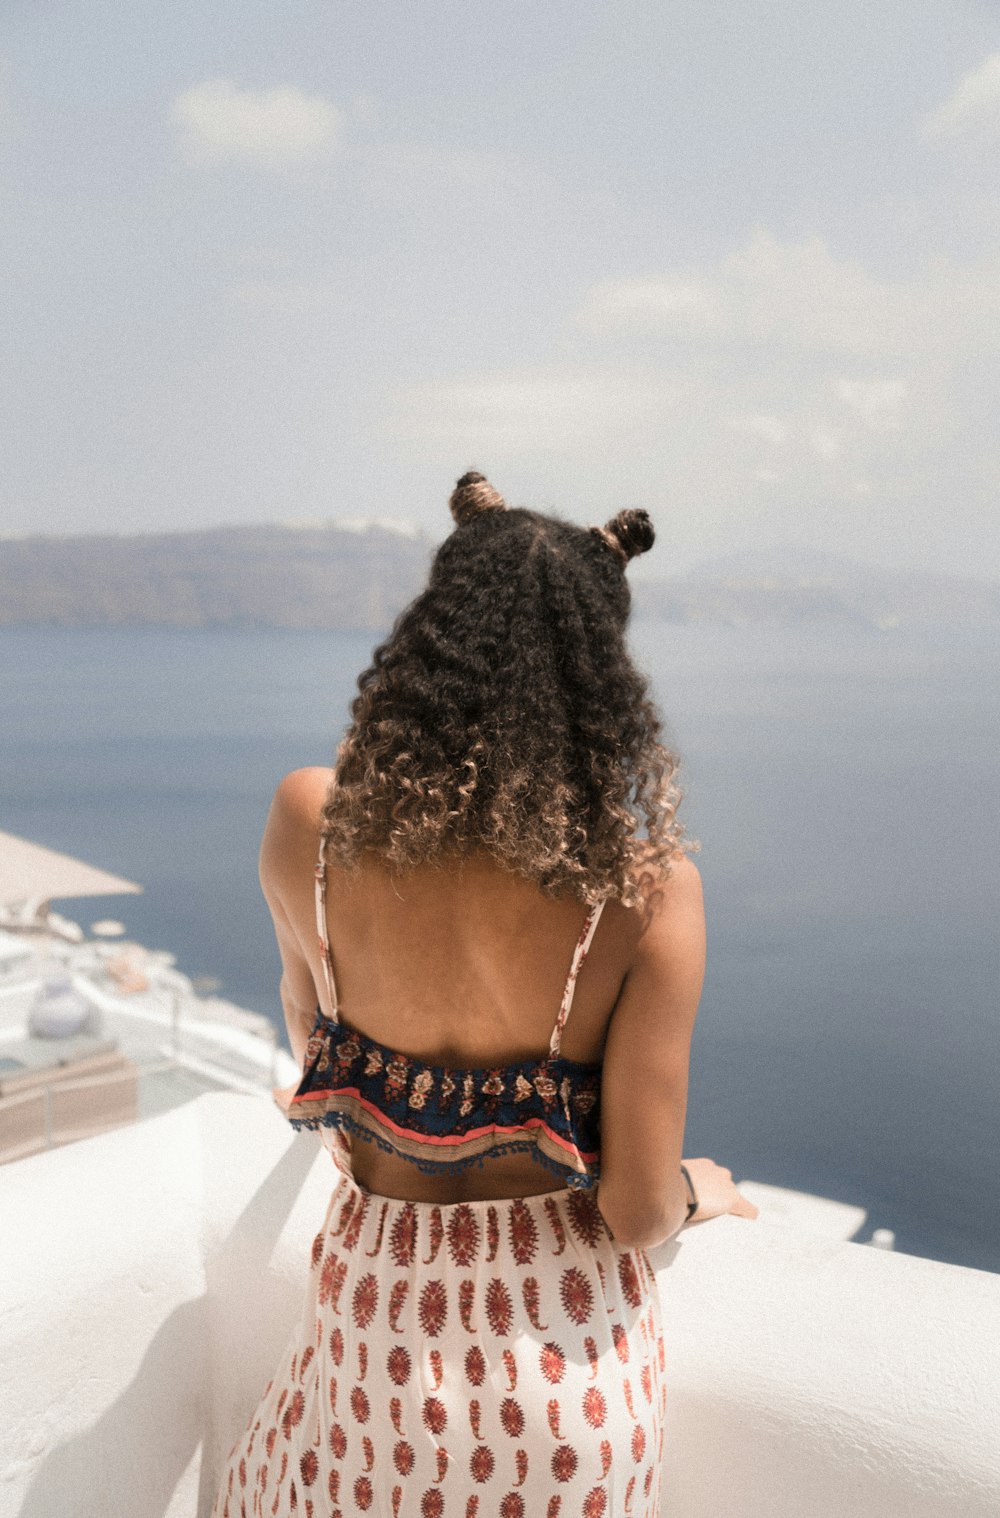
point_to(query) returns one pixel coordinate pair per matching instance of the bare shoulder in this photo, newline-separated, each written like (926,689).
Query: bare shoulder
(300,795)
(683,880)
(674,914)
(291,835)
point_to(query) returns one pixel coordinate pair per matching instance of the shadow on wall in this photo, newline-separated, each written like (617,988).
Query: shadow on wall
(95,1471)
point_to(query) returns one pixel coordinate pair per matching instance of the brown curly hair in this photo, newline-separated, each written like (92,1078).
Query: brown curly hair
(504,713)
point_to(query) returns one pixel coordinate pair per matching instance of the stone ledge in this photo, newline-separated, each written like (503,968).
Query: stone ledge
(150,1277)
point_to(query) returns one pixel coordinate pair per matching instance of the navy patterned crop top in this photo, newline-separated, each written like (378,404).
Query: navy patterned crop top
(443,1119)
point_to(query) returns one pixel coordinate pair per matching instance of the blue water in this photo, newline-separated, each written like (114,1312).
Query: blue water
(844,784)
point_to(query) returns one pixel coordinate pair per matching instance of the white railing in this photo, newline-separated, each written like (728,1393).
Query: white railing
(167,1030)
(164,1026)
(62,1111)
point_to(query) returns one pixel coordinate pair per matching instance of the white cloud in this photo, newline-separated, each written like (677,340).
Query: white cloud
(771,428)
(801,296)
(792,294)
(825,441)
(651,304)
(973,109)
(788,387)
(274,128)
(879,403)
(534,410)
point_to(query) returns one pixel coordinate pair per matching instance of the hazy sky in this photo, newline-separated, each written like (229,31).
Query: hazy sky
(737,262)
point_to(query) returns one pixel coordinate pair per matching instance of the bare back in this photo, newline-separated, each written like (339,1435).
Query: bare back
(461,965)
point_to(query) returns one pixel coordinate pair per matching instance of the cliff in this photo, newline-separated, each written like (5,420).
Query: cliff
(336,576)
(268,576)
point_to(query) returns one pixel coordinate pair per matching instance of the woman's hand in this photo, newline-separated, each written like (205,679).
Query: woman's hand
(716,1192)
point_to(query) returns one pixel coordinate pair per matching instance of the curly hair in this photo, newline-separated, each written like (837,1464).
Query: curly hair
(504,713)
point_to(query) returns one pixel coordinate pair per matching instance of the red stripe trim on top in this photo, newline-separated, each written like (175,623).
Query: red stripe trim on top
(449,1139)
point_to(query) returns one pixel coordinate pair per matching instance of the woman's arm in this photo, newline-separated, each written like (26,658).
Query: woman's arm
(641,1194)
(287,860)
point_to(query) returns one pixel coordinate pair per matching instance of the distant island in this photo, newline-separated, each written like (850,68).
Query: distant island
(357,576)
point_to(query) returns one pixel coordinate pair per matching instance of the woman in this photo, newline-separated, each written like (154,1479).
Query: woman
(481,1336)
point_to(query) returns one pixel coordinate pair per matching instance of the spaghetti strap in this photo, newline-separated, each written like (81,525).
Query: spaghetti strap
(579,955)
(324,941)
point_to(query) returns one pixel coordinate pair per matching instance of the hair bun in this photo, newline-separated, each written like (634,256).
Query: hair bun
(473,495)
(628,534)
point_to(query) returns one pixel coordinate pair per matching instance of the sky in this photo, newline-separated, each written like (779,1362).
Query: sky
(737,262)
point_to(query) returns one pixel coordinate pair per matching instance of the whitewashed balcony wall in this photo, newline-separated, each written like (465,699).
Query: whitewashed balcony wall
(149,1279)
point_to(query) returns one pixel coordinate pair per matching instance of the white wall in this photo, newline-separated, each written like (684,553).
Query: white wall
(150,1277)
(828,1380)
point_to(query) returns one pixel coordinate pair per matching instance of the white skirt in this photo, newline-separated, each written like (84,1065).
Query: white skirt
(479,1360)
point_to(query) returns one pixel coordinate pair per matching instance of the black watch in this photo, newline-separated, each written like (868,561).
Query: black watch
(692,1194)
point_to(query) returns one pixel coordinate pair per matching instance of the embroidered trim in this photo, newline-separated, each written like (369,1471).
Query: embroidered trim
(420,1111)
(345,1123)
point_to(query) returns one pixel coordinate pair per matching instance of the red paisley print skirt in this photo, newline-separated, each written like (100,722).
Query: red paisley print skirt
(478,1360)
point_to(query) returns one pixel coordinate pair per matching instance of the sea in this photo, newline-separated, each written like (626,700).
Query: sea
(843,782)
